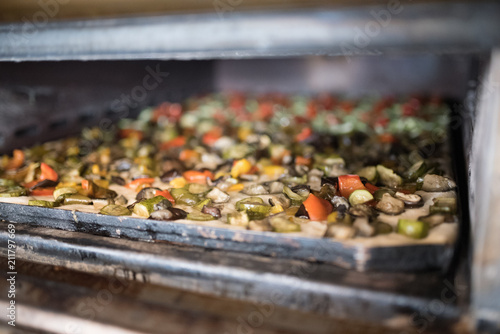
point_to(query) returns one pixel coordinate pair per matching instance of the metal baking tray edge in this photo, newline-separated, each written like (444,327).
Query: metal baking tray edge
(358,257)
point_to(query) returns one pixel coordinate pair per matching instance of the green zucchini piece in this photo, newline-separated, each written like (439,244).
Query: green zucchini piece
(296,198)
(370,173)
(283,225)
(199,216)
(42,203)
(77,199)
(202,203)
(382,228)
(115,210)
(183,196)
(387,177)
(196,188)
(415,229)
(290,180)
(238,219)
(254,207)
(62,191)
(145,207)
(360,196)
(13,191)
(444,205)
(417,170)
(241,205)
(7,183)
(379,193)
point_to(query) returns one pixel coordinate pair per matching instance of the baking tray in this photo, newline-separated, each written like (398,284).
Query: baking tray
(411,257)
(414,257)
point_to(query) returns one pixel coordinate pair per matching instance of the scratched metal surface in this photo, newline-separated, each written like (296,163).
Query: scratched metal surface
(62,300)
(412,257)
(322,293)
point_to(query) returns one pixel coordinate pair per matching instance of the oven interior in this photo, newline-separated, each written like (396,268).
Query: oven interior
(47,100)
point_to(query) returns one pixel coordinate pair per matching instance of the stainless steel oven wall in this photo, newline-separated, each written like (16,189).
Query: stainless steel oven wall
(426,74)
(40,101)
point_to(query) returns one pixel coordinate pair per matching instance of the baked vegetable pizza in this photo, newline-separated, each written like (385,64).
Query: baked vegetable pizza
(373,171)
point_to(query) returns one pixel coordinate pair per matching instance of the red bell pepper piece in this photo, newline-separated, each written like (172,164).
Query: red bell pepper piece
(348,184)
(43,191)
(137,182)
(370,187)
(166,194)
(194,176)
(48,173)
(317,208)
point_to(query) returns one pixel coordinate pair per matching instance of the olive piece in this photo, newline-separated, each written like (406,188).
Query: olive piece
(118,180)
(147,193)
(178,213)
(170,175)
(211,211)
(302,212)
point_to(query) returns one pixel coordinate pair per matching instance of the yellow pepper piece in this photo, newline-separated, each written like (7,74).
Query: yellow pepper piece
(66,185)
(219,174)
(236,187)
(102,183)
(178,182)
(96,169)
(332,217)
(292,210)
(274,171)
(243,133)
(240,167)
(276,209)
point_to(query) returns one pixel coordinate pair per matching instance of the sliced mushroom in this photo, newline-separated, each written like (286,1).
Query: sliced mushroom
(362,210)
(248,177)
(410,200)
(340,231)
(218,196)
(162,205)
(168,214)
(276,187)
(433,219)
(146,193)
(255,189)
(363,226)
(281,200)
(390,205)
(162,215)
(437,183)
(339,201)
(260,225)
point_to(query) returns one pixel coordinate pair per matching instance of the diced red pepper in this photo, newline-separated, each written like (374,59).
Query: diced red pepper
(370,187)
(317,208)
(304,134)
(299,160)
(48,173)
(166,194)
(85,184)
(131,133)
(386,138)
(212,136)
(16,161)
(137,182)
(194,176)
(188,155)
(349,183)
(43,191)
(176,142)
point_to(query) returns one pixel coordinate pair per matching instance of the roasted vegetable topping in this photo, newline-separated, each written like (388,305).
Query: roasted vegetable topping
(314,165)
